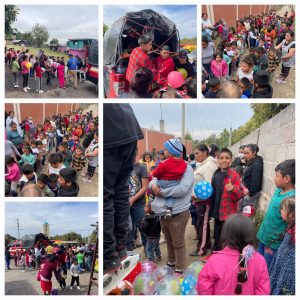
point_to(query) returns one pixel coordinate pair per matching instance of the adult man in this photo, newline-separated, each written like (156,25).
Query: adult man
(164,64)
(139,58)
(72,69)
(182,62)
(230,89)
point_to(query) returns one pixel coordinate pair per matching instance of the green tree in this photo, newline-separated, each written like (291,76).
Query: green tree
(70,236)
(8,239)
(28,36)
(93,237)
(40,35)
(11,13)
(105,28)
(188,137)
(54,41)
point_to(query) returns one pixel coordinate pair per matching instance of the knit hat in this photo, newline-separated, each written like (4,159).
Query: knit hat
(174,146)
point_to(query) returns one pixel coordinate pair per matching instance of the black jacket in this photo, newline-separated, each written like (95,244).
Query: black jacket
(150,226)
(253,173)
(267,92)
(69,192)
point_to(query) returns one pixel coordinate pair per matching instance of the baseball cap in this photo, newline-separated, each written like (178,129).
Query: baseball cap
(183,54)
(248,211)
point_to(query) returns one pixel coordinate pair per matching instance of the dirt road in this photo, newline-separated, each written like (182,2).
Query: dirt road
(84,90)
(25,283)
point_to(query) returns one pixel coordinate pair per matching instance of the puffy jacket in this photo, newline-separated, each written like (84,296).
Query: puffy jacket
(69,192)
(252,177)
(219,275)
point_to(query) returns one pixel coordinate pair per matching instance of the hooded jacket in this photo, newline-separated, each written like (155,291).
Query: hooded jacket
(266,93)
(252,177)
(69,192)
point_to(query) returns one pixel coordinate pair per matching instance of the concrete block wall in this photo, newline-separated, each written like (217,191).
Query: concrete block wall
(276,141)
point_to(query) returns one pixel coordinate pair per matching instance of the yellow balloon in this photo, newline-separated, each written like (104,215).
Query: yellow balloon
(28,65)
(183,72)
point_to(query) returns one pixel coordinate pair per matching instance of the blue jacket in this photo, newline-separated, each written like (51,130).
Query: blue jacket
(72,63)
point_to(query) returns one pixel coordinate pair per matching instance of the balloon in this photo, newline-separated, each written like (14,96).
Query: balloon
(43,70)
(203,190)
(162,272)
(188,286)
(195,267)
(183,72)
(123,288)
(175,79)
(145,284)
(148,266)
(134,273)
(54,292)
(169,285)
(28,65)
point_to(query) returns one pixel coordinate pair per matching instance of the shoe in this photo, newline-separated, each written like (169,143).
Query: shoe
(158,258)
(281,81)
(71,288)
(16,85)
(78,287)
(178,272)
(194,253)
(112,264)
(40,92)
(87,180)
(171,265)
(28,88)
(122,252)
(37,91)
(25,90)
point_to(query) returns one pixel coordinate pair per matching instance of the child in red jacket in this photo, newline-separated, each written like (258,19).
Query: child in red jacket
(227,192)
(170,171)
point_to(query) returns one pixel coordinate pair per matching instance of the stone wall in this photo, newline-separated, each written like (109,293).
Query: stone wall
(276,142)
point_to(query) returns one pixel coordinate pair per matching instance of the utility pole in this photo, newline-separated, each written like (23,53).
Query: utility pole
(18,227)
(183,122)
(230,134)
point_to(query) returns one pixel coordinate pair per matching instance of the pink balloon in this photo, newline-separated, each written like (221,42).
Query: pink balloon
(175,79)
(148,266)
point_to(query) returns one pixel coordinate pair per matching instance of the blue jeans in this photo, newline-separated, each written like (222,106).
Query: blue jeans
(7,260)
(164,184)
(80,265)
(267,252)
(151,248)
(89,263)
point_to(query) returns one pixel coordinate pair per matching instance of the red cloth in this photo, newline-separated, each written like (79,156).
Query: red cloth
(228,205)
(46,126)
(170,169)
(38,71)
(46,287)
(139,59)
(164,67)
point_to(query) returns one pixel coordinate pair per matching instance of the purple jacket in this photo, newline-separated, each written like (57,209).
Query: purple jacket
(219,275)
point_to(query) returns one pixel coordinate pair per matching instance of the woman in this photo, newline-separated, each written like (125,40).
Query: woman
(14,136)
(206,24)
(288,49)
(148,161)
(252,177)
(174,228)
(239,162)
(206,165)
(11,118)
(208,51)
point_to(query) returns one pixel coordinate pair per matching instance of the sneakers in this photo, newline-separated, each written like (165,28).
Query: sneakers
(71,288)
(28,88)
(122,252)
(25,90)
(178,272)
(78,287)
(281,81)
(86,179)
(40,91)
(171,265)
(111,265)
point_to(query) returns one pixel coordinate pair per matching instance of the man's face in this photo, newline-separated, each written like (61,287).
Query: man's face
(147,47)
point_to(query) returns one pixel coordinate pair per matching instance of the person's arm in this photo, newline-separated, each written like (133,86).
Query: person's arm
(183,187)
(49,193)
(291,53)
(278,46)
(15,150)
(256,179)
(141,192)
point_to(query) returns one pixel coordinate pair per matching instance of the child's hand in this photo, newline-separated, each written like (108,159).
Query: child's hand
(229,186)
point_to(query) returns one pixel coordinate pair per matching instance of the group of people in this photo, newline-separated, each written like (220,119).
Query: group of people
(236,265)
(54,260)
(43,69)
(159,76)
(243,63)
(46,160)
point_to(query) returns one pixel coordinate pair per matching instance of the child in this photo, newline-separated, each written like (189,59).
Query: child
(151,229)
(282,269)
(273,63)
(262,88)
(80,260)
(38,75)
(79,160)
(50,135)
(61,74)
(13,172)
(271,230)
(245,87)
(27,157)
(15,68)
(219,66)
(214,85)
(41,155)
(52,183)
(74,270)
(55,163)
(226,194)
(237,269)
(76,143)
(25,73)
(35,153)
(235,61)
(262,62)
(22,261)
(170,171)
(91,154)
(245,69)
(28,175)
(42,182)
(67,181)
(66,153)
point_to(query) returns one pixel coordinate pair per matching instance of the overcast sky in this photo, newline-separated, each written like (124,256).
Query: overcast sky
(202,120)
(62,21)
(63,217)
(184,16)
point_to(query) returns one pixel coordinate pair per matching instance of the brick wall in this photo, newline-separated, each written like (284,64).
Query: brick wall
(276,142)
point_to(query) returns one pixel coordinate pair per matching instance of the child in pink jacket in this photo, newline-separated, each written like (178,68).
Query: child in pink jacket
(237,269)
(219,66)
(61,74)
(13,172)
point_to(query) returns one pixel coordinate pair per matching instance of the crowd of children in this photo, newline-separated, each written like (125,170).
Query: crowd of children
(50,156)
(43,69)
(243,261)
(248,55)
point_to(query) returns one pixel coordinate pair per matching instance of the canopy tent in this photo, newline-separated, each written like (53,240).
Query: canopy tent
(124,33)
